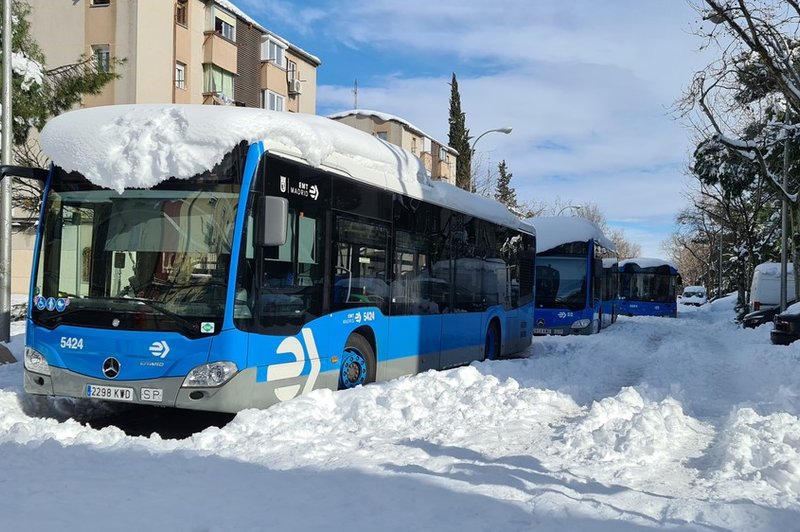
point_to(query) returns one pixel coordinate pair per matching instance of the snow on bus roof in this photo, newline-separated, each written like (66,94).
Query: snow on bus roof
(554,231)
(138,146)
(645,262)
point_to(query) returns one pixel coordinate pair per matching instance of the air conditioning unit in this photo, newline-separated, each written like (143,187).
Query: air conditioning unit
(295,86)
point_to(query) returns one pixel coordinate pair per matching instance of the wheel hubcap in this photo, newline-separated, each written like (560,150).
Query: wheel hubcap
(354,370)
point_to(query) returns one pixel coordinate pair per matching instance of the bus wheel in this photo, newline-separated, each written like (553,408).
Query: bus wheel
(358,363)
(491,350)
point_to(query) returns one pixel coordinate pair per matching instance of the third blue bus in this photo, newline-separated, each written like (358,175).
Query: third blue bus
(648,287)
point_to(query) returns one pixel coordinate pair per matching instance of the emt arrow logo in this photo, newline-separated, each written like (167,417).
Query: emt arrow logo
(314,192)
(159,349)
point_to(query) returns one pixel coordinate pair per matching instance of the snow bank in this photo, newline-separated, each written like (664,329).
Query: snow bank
(628,428)
(761,449)
(680,424)
(553,231)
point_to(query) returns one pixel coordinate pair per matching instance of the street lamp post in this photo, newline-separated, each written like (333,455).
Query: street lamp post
(504,130)
(5,184)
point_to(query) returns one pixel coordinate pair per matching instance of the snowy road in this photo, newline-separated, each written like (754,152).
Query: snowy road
(687,424)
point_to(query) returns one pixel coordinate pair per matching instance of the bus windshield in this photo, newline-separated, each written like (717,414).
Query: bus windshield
(646,286)
(561,282)
(160,255)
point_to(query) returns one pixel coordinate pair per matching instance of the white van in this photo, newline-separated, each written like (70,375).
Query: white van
(694,295)
(765,290)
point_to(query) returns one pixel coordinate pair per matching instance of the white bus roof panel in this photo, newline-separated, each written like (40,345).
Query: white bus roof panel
(138,146)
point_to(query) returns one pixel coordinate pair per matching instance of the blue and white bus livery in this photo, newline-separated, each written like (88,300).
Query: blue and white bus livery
(575,285)
(648,287)
(291,253)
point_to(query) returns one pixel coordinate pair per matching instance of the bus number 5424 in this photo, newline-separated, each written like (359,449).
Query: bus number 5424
(71,343)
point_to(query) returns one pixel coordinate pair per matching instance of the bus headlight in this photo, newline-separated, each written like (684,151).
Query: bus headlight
(209,375)
(581,324)
(35,362)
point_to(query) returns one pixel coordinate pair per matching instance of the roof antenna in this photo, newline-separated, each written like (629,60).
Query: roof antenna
(355,94)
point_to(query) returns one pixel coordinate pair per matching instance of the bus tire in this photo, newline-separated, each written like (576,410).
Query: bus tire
(358,363)
(491,349)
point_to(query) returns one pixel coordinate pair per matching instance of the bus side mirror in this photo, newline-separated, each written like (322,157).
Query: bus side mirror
(273,220)
(26,172)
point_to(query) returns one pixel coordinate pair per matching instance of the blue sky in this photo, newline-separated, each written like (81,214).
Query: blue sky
(587,86)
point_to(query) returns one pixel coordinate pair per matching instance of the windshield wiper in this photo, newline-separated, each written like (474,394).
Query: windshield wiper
(187,324)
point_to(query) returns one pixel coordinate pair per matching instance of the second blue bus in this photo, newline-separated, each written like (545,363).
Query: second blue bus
(576,277)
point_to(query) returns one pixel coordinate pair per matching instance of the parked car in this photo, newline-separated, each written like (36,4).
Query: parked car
(786,327)
(694,295)
(757,318)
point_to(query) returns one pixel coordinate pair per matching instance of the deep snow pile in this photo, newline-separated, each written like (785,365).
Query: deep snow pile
(687,423)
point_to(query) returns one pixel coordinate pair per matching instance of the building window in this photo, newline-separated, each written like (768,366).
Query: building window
(180,12)
(225,29)
(101,2)
(180,75)
(273,101)
(102,57)
(218,80)
(383,135)
(274,52)
(291,71)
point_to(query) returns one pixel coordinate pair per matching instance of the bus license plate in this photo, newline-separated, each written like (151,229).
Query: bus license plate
(109,393)
(537,330)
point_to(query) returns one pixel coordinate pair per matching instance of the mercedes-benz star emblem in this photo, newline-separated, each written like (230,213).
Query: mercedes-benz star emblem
(115,323)
(540,322)
(111,367)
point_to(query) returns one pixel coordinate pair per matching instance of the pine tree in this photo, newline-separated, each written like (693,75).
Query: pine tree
(458,138)
(505,193)
(37,93)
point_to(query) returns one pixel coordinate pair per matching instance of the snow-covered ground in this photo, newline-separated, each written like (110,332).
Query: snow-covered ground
(681,424)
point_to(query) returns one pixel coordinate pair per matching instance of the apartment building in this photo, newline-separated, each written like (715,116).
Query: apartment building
(181,51)
(438,157)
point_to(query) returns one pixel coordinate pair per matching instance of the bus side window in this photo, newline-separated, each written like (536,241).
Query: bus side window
(359,267)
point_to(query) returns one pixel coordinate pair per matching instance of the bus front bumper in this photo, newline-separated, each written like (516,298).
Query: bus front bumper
(230,397)
(563,330)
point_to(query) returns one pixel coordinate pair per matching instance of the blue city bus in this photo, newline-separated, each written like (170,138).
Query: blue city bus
(648,287)
(576,279)
(275,272)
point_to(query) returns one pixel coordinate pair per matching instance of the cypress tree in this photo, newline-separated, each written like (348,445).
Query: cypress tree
(458,139)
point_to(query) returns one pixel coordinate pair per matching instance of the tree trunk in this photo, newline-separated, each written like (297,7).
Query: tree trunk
(794,243)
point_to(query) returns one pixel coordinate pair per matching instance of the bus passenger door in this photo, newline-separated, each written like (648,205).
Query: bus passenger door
(462,320)
(360,278)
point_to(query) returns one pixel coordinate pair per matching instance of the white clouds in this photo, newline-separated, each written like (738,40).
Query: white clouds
(587,86)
